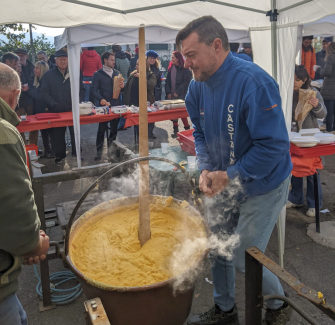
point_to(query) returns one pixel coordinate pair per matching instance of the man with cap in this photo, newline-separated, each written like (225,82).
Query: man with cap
(320,56)
(56,91)
(248,50)
(308,58)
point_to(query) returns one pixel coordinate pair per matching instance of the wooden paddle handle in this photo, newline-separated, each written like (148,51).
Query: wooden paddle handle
(144,195)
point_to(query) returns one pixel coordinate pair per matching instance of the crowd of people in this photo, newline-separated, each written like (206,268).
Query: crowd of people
(314,66)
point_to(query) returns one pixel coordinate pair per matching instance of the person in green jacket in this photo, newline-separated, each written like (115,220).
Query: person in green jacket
(21,240)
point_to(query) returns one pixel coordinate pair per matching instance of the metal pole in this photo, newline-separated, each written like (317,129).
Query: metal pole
(317,203)
(32,44)
(253,290)
(274,41)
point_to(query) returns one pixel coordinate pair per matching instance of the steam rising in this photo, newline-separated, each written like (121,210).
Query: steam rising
(222,216)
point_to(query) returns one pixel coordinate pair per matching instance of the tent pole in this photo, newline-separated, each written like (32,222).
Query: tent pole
(274,40)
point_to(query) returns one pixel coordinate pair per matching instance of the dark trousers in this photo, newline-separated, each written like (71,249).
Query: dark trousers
(330,115)
(46,139)
(103,128)
(296,195)
(58,141)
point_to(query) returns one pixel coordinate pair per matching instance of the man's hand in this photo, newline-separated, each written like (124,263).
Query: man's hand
(219,180)
(103,102)
(315,67)
(314,102)
(120,84)
(136,74)
(175,95)
(39,253)
(205,183)
(169,96)
(24,88)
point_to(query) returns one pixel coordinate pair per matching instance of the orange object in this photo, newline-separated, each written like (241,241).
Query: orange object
(28,148)
(308,59)
(303,167)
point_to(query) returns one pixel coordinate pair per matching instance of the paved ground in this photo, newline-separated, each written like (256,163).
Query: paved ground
(311,263)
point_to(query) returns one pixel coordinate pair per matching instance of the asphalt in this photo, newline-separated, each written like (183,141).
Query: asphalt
(312,263)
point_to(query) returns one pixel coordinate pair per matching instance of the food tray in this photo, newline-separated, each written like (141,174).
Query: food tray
(190,150)
(317,151)
(47,116)
(186,137)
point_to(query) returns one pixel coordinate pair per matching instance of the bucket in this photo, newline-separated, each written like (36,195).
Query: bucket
(155,304)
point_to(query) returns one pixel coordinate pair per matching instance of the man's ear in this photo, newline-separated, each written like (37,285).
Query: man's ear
(14,98)
(217,45)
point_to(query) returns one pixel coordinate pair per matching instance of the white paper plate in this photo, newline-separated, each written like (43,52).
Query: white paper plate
(309,132)
(305,144)
(325,136)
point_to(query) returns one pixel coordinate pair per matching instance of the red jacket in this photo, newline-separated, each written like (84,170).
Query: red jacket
(308,59)
(90,62)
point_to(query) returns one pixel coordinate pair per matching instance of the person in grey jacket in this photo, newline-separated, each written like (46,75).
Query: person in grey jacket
(328,88)
(302,80)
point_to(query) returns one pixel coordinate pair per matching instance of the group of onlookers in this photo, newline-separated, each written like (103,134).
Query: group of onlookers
(314,66)
(45,88)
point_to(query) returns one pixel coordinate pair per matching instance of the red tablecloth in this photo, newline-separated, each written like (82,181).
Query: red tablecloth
(65,120)
(133,119)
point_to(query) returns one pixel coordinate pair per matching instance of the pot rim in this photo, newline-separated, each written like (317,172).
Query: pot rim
(107,287)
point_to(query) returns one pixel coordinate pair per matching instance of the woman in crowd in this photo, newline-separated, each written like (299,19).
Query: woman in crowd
(328,88)
(132,95)
(302,80)
(39,106)
(152,58)
(176,85)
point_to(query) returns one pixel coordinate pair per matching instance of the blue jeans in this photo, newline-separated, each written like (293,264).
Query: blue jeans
(253,220)
(12,312)
(87,88)
(296,195)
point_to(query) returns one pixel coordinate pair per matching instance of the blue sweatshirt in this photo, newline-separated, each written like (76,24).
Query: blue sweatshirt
(239,126)
(242,56)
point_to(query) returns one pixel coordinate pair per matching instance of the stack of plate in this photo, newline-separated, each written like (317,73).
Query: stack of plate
(325,138)
(309,132)
(305,141)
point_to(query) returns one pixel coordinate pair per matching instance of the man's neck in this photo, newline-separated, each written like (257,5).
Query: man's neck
(222,58)
(62,70)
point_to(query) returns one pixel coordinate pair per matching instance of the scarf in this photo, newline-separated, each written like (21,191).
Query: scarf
(65,75)
(108,70)
(308,48)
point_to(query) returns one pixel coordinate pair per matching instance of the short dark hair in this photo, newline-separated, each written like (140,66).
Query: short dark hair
(10,56)
(42,52)
(106,55)
(234,46)
(302,74)
(90,48)
(207,28)
(308,37)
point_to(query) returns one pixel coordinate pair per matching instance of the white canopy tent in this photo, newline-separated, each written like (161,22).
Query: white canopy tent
(274,42)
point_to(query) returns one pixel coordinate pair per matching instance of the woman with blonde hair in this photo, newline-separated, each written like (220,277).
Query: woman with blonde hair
(39,106)
(328,88)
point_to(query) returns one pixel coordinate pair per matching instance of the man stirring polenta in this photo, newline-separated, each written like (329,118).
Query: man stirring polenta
(240,133)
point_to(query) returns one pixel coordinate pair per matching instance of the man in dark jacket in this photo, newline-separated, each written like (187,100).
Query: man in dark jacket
(27,73)
(102,91)
(56,91)
(43,56)
(133,61)
(320,56)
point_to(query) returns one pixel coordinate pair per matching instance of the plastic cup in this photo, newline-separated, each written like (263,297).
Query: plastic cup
(164,146)
(191,161)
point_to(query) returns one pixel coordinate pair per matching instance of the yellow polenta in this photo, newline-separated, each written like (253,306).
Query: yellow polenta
(106,249)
